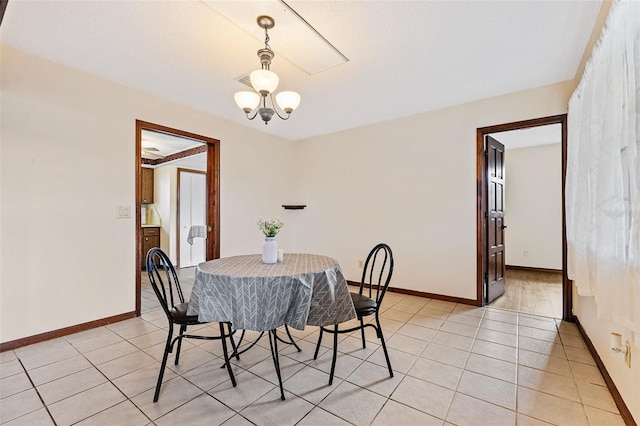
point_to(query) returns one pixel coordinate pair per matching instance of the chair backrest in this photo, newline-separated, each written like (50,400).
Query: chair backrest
(164,280)
(377,272)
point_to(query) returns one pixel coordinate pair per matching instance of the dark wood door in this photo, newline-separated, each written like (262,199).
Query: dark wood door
(147,185)
(494,279)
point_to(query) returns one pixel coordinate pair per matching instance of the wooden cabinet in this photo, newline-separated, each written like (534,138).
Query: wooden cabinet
(150,239)
(147,186)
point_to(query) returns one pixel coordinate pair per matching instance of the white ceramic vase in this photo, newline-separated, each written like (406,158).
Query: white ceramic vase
(270,250)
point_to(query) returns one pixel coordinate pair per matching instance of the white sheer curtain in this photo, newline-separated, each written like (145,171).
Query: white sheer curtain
(603,172)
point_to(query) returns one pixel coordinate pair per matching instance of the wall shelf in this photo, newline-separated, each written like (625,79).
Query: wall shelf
(294,206)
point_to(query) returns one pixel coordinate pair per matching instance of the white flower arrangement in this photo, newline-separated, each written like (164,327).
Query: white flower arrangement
(272,227)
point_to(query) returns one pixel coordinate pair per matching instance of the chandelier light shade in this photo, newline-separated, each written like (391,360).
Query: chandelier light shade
(265,82)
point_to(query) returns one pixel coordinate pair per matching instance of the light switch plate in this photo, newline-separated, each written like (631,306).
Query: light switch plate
(123,212)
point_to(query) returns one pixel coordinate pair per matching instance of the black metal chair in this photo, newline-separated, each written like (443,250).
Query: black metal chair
(167,287)
(375,279)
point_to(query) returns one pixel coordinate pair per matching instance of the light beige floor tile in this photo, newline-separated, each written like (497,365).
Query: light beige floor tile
(345,364)
(538,322)
(353,346)
(70,385)
(20,404)
(500,315)
(108,353)
(288,367)
(461,329)
(410,308)
(87,334)
(39,417)
(157,351)
(442,305)
(318,416)
(550,408)
(453,340)
(523,420)
(56,370)
(39,354)
(100,341)
(307,352)
(394,413)
(10,368)
(536,333)
(586,373)
(429,311)
(579,355)
(254,356)
(417,332)
(203,410)
(135,327)
(7,356)
(445,354)
(546,382)
(436,372)
(504,327)
(541,346)
(568,328)
(425,321)
(210,375)
(544,362)
(85,404)
(125,413)
(190,359)
(497,337)
(352,403)
(126,364)
(488,389)
(495,350)
(400,361)
(173,394)
(375,378)
(597,396)
(599,417)
(311,384)
(14,384)
(389,326)
(149,339)
(572,340)
(249,389)
(270,410)
(469,310)
(406,344)
(423,396)
(142,380)
(466,410)
(396,315)
(492,367)
(464,319)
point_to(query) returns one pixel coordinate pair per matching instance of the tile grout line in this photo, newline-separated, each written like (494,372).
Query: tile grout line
(46,407)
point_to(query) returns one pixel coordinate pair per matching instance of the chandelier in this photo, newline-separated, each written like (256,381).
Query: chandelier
(265,82)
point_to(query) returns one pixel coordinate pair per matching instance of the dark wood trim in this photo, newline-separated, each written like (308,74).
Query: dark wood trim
(424,294)
(180,169)
(213,200)
(622,407)
(532,269)
(3,8)
(54,334)
(176,156)
(567,285)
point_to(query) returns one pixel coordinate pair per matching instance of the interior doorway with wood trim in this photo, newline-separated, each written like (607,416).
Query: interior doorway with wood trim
(521,239)
(160,152)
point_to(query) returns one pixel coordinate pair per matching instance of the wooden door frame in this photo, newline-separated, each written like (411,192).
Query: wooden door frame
(567,285)
(213,194)
(182,169)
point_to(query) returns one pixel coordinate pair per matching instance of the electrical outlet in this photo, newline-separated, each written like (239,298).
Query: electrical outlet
(360,263)
(123,212)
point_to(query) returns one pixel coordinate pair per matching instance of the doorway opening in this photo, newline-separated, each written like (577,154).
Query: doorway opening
(160,151)
(493,220)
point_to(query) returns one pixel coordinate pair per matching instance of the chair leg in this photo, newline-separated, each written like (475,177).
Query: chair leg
(183,328)
(315,355)
(226,353)
(364,344)
(163,365)
(335,354)
(384,346)
(234,346)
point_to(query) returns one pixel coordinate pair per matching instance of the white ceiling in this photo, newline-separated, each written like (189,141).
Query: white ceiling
(405,57)
(531,136)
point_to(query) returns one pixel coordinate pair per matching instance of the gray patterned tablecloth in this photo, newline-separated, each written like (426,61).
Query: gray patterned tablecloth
(304,289)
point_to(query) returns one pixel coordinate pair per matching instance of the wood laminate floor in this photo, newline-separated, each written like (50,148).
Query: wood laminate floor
(533,292)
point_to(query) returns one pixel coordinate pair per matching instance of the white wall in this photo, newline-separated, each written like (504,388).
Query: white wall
(68,159)
(166,200)
(411,183)
(533,206)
